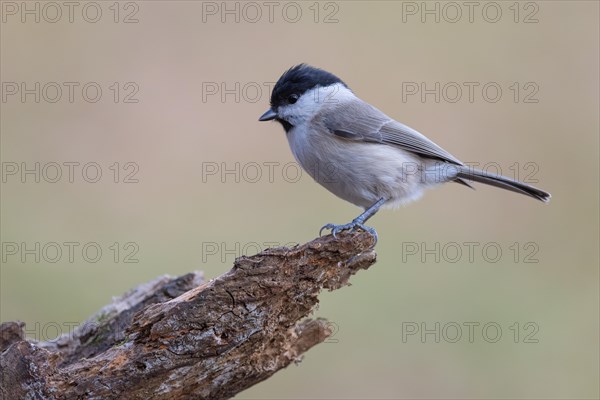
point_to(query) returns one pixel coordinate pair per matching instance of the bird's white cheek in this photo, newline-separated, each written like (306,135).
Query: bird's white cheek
(284,113)
(291,114)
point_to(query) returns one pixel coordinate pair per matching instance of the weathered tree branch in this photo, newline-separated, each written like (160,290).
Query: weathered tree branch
(183,338)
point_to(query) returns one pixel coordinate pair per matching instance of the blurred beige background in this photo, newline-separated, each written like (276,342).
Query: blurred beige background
(180,217)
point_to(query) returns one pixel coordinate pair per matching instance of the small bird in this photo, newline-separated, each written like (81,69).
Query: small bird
(360,154)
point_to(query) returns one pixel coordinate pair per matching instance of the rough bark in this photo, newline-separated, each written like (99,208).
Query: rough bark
(183,338)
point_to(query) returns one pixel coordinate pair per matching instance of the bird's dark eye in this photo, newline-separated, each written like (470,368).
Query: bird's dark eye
(293,98)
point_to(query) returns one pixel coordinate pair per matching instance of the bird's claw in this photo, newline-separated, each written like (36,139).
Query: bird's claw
(335,229)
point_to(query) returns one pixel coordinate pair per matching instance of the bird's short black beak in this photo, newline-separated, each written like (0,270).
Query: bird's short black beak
(268,116)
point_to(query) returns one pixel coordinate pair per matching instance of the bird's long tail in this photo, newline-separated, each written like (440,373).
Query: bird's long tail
(502,182)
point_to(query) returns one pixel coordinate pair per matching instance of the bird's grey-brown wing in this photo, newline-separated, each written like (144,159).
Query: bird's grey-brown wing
(360,121)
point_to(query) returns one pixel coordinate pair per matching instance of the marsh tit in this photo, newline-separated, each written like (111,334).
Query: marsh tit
(360,154)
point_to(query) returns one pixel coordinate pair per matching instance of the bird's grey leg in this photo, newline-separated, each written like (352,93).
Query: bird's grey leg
(369,212)
(357,222)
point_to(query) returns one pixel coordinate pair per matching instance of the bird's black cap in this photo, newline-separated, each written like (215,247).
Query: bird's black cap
(298,80)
